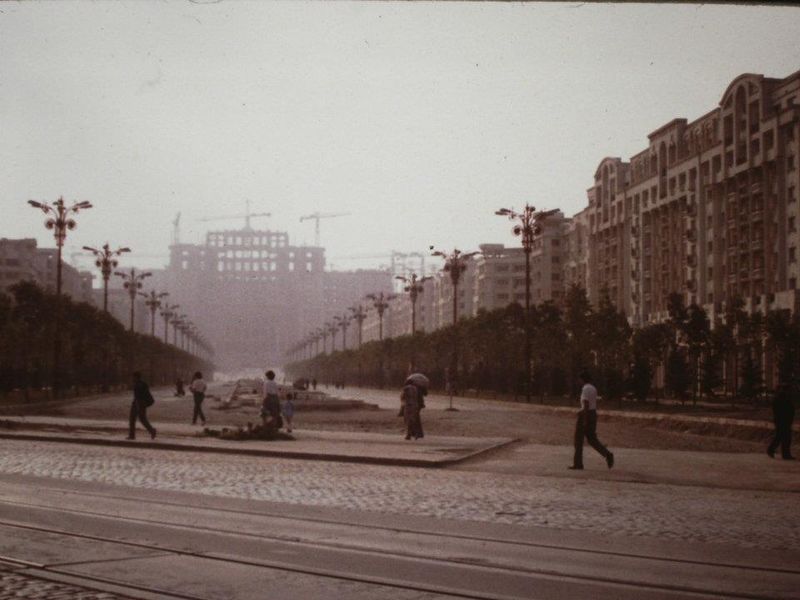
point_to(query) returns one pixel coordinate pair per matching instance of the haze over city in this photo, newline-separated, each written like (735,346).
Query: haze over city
(418,119)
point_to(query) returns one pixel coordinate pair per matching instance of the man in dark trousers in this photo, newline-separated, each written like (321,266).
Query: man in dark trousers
(142,398)
(586,425)
(783,415)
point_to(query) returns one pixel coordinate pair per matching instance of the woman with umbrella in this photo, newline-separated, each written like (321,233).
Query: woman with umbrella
(413,401)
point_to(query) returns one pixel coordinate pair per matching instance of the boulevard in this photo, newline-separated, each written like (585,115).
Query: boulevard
(512,523)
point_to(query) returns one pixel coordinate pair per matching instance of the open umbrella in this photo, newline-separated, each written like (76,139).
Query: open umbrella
(418,379)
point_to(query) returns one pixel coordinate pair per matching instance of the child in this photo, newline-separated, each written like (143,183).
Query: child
(288,412)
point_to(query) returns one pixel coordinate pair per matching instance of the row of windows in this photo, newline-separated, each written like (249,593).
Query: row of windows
(255,266)
(272,241)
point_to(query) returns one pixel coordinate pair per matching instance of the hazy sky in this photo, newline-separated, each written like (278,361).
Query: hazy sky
(420,119)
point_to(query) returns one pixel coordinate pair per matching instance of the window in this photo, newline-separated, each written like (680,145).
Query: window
(791,225)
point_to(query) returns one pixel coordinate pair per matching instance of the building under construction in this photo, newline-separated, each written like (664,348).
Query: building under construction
(253,294)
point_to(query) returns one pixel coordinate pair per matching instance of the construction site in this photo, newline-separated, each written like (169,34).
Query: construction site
(254,293)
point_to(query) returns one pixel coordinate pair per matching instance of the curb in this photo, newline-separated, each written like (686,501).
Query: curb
(329,457)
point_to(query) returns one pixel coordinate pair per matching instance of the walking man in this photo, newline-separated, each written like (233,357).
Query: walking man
(783,415)
(198,388)
(586,425)
(142,398)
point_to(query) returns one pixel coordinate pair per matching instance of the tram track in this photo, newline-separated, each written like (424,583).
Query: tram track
(415,531)
(457,563)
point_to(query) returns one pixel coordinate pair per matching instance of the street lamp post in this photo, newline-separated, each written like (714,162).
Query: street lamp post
(133,283)
(343,322)
(414,288)
(59,220)
(176,322)
(455,264)
(530,226)
(359,314)
(105,260)
(168,312)
(333,328)
(381,303)
(153,302)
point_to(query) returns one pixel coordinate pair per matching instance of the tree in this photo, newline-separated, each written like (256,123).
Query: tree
(696,331)
(578,329)
(612,335)
(678,378)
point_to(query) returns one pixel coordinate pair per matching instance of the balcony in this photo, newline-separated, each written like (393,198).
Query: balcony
(757,244)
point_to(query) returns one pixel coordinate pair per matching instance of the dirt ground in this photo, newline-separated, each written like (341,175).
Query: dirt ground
(491,419)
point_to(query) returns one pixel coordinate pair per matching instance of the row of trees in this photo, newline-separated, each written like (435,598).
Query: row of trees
(683,357)
(96,349)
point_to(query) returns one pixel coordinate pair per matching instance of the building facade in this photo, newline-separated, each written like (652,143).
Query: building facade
(22,260)
(709,209)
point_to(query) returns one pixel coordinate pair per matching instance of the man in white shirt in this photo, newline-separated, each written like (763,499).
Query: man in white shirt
(586,425)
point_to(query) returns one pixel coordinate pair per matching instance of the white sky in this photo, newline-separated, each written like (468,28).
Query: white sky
(420,119)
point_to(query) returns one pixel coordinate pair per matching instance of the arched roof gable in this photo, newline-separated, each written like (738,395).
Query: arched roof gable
(752,77)
(612,161)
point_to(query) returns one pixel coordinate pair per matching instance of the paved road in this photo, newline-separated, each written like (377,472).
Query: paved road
(739,517)
(217,526)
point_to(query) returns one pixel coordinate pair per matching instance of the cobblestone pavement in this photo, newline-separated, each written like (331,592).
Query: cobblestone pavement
(737,517)
(15,586)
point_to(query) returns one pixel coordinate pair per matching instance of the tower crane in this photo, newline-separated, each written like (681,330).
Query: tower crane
(176,230)
(247,216)
(316,217)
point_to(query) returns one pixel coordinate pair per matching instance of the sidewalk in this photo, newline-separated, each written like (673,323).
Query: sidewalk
(358,447)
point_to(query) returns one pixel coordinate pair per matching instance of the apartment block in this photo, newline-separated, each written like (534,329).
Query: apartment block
(709,209)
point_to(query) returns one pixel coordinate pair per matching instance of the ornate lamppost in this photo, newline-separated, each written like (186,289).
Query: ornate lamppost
(176,322)
(414,288)
(455,264)
(105,260)
(59,220)
(168,312)
(153,302)
(133,283)
(343,322)
(381,303)
(359,315)
(333,328)
(323,332)
(529,226)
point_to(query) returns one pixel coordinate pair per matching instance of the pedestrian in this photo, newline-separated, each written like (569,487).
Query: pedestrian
(586,425)
(409,410)
(270,404)
(288,412)
(314,384)
(179,391)
(198,388)
(142,398)
(782,415)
